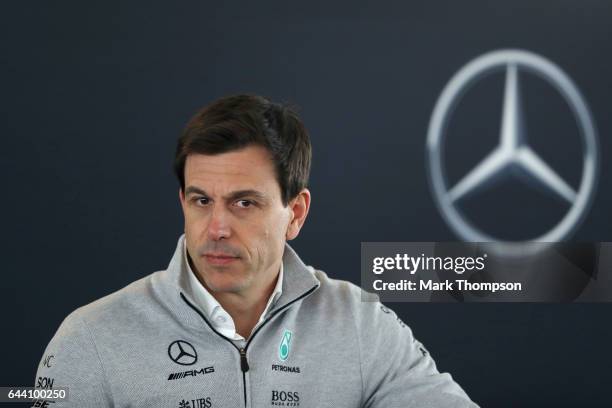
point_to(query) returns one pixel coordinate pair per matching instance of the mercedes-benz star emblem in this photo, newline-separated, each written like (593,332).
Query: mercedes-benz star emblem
(513,152)
(182,353)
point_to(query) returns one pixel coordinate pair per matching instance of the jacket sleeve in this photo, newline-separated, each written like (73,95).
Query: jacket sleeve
(397,370)
(72,361)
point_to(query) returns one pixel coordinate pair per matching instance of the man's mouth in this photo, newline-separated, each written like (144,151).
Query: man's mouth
(219,259)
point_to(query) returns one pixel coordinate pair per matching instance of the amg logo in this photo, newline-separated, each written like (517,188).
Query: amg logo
(285,398)
(191,373)
(278,367)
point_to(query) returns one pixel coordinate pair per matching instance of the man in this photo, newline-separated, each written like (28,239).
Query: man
(237,319)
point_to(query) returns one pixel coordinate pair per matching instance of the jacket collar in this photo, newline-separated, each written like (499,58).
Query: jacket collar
(171,284)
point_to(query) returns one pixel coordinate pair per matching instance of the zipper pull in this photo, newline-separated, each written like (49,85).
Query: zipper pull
(244,364)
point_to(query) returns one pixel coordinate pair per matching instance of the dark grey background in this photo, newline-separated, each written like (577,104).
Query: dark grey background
(95,94)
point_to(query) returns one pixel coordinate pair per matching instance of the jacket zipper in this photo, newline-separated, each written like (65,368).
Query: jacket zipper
(244,364)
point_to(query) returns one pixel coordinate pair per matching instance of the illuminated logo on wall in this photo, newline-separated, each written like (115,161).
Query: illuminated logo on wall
(513,152)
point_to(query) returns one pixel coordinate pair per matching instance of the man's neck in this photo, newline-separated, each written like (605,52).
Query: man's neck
(245,307)
(245,310)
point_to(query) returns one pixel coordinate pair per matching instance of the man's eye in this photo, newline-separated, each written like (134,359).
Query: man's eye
(244,203)
(202,200)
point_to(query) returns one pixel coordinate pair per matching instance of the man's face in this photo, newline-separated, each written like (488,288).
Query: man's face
(235,221)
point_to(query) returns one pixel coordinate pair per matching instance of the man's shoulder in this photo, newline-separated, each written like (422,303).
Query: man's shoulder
(341,292)
(335,287)
(122,304)
(349,300)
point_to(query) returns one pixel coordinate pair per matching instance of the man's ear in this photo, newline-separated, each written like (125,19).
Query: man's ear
(182,199)
(299,210)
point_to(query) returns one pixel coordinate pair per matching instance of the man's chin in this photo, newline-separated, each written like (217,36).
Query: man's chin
(225,284)
(227,288)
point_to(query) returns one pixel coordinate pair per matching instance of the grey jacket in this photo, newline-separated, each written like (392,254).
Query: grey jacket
(321,345)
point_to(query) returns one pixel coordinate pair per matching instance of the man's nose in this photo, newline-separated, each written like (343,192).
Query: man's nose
(219,224)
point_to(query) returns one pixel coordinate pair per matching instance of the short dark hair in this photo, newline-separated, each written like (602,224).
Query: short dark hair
(235,122)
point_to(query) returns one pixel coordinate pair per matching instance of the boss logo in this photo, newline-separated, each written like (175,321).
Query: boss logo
(285,398)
